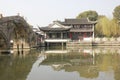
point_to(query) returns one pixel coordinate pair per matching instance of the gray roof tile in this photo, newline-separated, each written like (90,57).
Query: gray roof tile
(78,21)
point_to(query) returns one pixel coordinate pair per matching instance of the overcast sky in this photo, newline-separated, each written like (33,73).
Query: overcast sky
(43,12)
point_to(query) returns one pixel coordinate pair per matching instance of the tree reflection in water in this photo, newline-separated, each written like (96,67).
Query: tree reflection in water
(16,67)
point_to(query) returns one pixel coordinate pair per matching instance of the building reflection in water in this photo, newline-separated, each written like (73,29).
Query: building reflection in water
(89,62)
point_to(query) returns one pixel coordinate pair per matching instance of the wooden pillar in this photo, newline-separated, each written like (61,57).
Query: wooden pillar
(93,36)
(70,35)
(93,33)
(62,45)
(46,35)
(61,35)
(47,44)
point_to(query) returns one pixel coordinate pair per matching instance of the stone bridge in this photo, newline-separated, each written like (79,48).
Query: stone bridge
(13,28)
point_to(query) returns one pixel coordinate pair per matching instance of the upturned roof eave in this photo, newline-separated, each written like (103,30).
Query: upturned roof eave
(54,29)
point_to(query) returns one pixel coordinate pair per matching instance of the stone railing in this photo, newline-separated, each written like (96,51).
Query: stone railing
(107,40)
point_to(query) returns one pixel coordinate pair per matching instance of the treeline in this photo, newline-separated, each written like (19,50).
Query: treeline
(105,27)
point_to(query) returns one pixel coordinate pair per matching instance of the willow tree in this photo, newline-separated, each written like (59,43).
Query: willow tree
(103,27)
(98,29)
(106,27)
(115,29)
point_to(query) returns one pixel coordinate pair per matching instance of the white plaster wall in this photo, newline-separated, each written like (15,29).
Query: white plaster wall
(88,39)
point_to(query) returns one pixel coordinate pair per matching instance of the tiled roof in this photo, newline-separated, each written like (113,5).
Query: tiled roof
(79,21)
(53,29)
(49,28)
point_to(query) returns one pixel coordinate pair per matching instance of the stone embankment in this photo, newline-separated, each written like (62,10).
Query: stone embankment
(96,42)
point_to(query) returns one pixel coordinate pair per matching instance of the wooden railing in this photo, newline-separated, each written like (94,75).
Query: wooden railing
(82,29)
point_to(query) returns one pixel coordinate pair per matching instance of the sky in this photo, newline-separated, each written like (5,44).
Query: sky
(43,12)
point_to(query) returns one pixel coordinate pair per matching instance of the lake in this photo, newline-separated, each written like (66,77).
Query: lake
(85,63)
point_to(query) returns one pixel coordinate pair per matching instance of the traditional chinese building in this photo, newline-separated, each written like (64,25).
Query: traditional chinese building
(69,30)
(81,29)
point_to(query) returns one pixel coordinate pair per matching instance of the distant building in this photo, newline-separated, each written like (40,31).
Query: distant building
(69,30)
(39,36)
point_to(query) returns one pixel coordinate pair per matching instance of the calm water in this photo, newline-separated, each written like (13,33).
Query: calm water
(83,64)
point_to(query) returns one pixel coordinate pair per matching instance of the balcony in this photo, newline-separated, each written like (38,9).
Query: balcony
(57,40)
(82,30)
